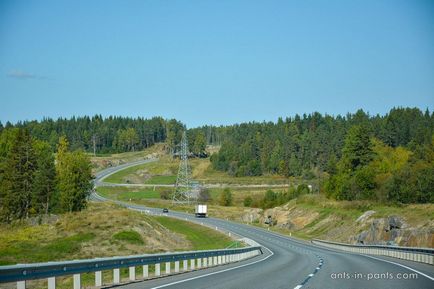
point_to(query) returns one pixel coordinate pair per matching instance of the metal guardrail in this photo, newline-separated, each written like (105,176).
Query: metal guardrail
(422,255)
(20,273)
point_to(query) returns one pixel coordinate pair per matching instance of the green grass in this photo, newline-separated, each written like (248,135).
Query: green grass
(165,180)
(163,172)
(201,238)
(30,251)
(118,177)
(127,194)
(131,237)
(147,194)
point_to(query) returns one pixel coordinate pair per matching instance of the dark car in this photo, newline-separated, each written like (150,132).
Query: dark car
(165,210)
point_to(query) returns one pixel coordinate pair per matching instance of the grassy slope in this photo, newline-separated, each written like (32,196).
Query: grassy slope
(202,238)
(164,172)
(94,233)
(101,161)
(125,194)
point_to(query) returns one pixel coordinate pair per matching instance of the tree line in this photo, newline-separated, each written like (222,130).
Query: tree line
(388,158)
(385,157)
(34,182)
(104,135)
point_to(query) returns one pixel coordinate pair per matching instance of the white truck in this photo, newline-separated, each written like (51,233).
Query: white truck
(200,211)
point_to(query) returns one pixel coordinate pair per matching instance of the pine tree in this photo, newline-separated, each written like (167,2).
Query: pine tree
(45,177)
(357,151)
(199,144)
(18,178)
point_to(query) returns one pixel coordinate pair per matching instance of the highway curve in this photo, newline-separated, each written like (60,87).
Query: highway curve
(288,263)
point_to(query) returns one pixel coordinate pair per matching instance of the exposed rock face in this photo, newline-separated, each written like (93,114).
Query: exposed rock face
(290,218)
(251,215)
(393,230)
(365,216)
(366,229)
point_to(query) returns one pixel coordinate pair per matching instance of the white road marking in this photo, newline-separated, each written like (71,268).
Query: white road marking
(298,286)
(403,266)
(213,273)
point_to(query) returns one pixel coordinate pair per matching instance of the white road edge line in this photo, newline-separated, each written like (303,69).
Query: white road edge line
(214,273)
(298,286)
(378,259)
(406,267)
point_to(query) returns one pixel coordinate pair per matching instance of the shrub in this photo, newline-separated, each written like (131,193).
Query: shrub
(131,237)
(226,198)
(248,201)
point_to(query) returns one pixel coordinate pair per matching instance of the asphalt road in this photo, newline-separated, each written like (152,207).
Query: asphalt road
(288,263)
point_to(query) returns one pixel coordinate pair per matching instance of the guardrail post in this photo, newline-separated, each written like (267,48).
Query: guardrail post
(98,279)
(132,273)
(192,264)
(199,263)
(21,285)
(185,265)
(210,261)
(219,260)
(52,283)
(214,260)
(167,268)
(157,269)
(77,281)
(145,271)
(205,262)
(116,276)
(176,266)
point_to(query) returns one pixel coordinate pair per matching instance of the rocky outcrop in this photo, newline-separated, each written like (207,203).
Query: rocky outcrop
(365,216)
(393,230)
(289,217)
(251,216)
(367,228)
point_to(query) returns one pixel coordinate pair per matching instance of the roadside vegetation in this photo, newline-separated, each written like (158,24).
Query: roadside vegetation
(102,161)
(102,230)
(164,172)
(201,238)
(35,183)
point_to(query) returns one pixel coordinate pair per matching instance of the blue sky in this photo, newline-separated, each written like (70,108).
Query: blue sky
(214,62)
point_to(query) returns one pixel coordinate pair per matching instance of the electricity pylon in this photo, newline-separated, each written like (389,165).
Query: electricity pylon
(183,189)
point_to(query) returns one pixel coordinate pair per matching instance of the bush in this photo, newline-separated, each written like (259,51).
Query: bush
(248,201)
(131,237)
(165,195)
(226,198)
